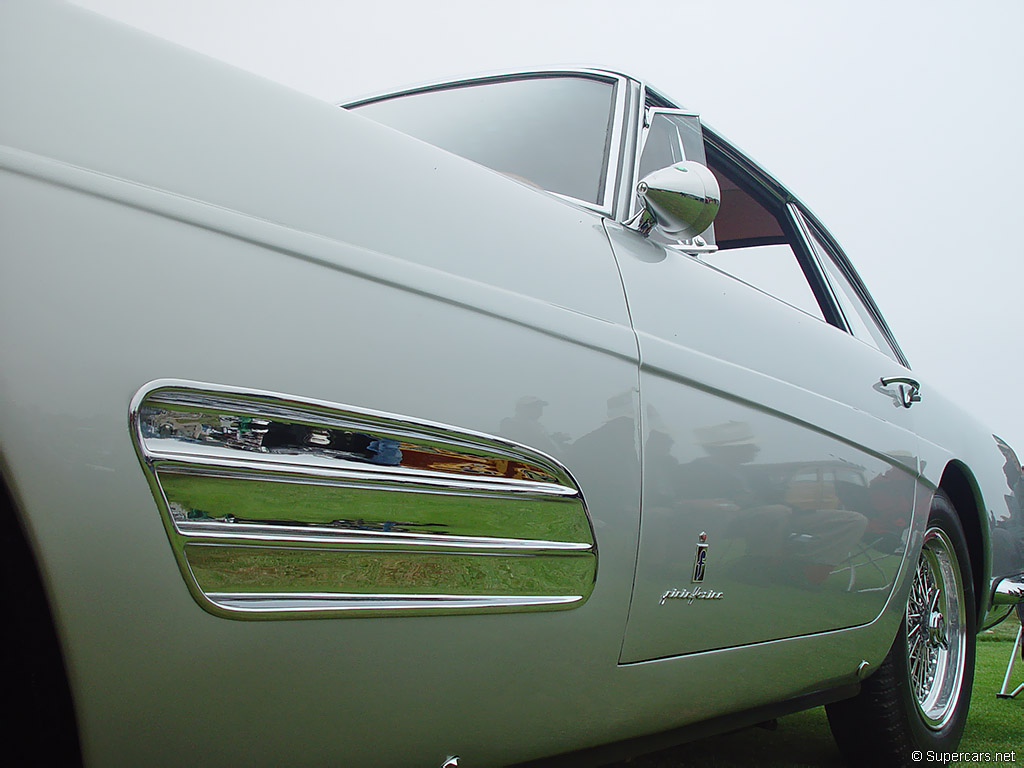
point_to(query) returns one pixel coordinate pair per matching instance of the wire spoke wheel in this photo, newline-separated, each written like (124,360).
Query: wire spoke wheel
(919,696)
(936,630)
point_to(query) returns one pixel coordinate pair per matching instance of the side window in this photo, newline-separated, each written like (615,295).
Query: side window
(752,230)
(859,319)
(771,268)
(552,132)
(757,242)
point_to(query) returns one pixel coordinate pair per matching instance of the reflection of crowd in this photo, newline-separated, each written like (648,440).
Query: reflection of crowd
(738,499)
(609,449)
(525,427)
(804,544)
(889,506)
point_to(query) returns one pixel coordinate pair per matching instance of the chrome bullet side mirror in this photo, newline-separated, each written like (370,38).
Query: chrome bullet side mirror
(682,200)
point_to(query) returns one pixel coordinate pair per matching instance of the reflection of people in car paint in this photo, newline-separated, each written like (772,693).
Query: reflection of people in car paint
(525,427)
(814,540)
(889,505)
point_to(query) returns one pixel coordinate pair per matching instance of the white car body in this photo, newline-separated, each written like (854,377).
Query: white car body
(171,224)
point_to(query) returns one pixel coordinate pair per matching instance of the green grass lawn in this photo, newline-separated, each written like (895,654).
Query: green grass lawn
(994,725)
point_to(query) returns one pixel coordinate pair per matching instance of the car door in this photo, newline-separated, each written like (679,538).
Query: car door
(779,473)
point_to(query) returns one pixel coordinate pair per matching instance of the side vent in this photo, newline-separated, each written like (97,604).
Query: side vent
(277,507)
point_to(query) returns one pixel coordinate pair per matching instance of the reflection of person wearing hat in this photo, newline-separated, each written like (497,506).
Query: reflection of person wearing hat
(816,539)
(661,471)
(525,427)
(611,446)
(718,475)
(890,503)
(729,433)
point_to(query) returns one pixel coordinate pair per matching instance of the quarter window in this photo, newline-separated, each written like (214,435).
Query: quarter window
(550,132)
(671,136)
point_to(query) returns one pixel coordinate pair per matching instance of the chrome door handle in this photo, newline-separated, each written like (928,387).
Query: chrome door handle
(909,389)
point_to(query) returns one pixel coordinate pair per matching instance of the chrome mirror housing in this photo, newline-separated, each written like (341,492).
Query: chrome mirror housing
(682,199)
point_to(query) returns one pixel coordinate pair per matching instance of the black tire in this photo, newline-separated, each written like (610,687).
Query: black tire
(914,707)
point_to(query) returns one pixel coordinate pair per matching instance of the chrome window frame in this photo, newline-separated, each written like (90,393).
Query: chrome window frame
(772,189)
(614,156)
(801,219)
(808,226)
(631,149)
(801,225)
(640,117)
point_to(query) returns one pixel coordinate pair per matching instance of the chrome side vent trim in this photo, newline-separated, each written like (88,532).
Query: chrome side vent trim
(278,507)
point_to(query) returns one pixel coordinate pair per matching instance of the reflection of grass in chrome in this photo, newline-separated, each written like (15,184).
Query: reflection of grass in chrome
(553,519)
(270,569)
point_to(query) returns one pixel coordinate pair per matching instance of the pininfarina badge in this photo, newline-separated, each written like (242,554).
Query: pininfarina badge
(689,595)
(700,559)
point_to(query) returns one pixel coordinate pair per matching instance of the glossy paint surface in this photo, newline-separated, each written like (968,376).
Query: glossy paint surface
(160,240)
(143,281)
(807,503)
(103,544)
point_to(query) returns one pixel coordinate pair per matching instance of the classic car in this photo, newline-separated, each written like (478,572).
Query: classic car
(472,424)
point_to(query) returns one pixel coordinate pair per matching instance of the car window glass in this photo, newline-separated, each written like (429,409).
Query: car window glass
(755,245)
(859,318)
(773,269)
(671,138)
(551,132)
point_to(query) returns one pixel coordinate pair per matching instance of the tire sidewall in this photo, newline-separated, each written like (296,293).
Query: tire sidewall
(946,738)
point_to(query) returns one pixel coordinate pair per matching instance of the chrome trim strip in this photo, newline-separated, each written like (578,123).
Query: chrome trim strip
(803,231)
(294,469)
(261,492)
(334,601)
(639,135)
(317,417)
(318,534)
(614,157)
(625,183)
(500,74)
(846,267)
